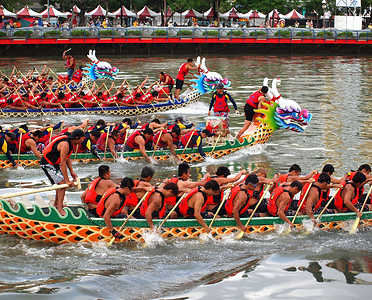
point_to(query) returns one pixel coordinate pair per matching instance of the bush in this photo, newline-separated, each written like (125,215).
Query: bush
(237,33)
(80,32)
(184,33)
(23,33)
(283,33)
(53,33)
(210,33)
(105,33)
(341,34)
(253,33)
(304,33)
(2,34)
(134,32)
(363,34)
(327,33)
(161,32)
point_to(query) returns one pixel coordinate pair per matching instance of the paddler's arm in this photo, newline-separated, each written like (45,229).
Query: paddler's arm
(284,199)
(141,143)
(241,197)
(4,148)
(151,208)
(310,201)
(197,212)
(212,103)
(171,146)
(112,207)
(232,101)
(199,144)
(348,196)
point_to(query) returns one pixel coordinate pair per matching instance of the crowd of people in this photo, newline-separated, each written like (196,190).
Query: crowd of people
(226,196)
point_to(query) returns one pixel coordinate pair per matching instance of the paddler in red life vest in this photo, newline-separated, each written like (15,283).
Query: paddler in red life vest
(132,199)
(239,200)
(194,204)
(253,102)
(164,139)
(294,175)
(196,140)
(70,64)
(138,140)
(280,200)
(219,102)
(112,203)
(93,194)
(56,160)
(28,143)
(166,84)
(347,199)
(365,169)
(78,75)
(111,142)
(182,72)
(153,207)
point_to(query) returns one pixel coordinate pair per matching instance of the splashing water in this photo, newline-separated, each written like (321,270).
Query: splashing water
(152,239)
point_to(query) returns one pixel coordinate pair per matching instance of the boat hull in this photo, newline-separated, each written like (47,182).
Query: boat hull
(76,226)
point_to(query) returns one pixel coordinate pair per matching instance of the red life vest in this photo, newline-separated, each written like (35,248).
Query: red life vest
(253,99)
(25,137)
(229,206)
(272,206)
(173,199)
(282,178)
(101,142)
(339,202)
(185,138)
(161,143)
(132,198)
(131,142)
(317,204)
(91,195)
(182,72)
(101,204)
(306,187)
(50,152)
(77,76)
(146,98)
(156,214)
(68,62)
(171,80)
(220,104)
(350,176)
(184,208)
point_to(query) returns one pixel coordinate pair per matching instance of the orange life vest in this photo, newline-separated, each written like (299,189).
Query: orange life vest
(272,206)
(339,202)
(156,214)
(91,195)
(229,206)
(50,152)
(101,204)
(184,208)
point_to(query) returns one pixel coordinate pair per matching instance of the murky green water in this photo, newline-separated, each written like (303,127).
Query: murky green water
(330,265)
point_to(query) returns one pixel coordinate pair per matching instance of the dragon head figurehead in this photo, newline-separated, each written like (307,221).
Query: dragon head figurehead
(99,69)
(282,113)
(207,81)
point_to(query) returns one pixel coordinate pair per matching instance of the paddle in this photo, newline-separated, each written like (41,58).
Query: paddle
(357,220)
(173,208)
(328,203)
(156,146)
(188,142)
(19,147)
(34,191)
(218,137)
(302,202)
(129,216)
(106,142)
(241,232)
(125,141)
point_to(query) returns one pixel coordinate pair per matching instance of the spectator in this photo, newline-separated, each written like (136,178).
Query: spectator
(74,22)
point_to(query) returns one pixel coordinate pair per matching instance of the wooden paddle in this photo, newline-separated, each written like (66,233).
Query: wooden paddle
(156,145)
(241,232)
(129,216)
(19,146)
(173,209)
(46,189)
(106,142)
(357,220)
(188,142)
(125,141)
(328,203)
(302,202)
(225,196)
(215,144)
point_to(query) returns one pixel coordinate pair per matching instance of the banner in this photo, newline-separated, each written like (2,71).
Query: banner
(348,3)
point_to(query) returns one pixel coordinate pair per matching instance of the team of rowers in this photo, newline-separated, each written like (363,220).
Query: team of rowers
(101,137)
(40,91)
(220,194)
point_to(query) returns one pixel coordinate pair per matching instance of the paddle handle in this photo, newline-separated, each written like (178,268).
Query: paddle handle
(225,196)
(156,146)
(302,202)
(218,137)
(188,142)
(173,209)
(258,204)
(328,203)
(35,191)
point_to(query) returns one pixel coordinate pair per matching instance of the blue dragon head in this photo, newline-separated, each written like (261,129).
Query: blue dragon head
(99,69)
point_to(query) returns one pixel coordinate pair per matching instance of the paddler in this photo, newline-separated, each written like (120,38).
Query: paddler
(138,140)
(93,194)
(5,139)
(253,102)
(70,64)
(182,72)
(166,83)
(164,139)
(219,102)
(194,139)
(56,160)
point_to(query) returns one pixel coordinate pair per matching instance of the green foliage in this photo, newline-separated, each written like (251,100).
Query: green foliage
(134,32)
(363,34)
(184,33)
(304,33)
(210,33)
(52,33)
(2,34)
(327,33)
(160,32)
(343,34)
(283,33)
(105,32)
(237,33)
(24,33)
(79,32)
(260,32)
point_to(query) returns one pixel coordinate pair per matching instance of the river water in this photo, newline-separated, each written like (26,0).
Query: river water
(330,265)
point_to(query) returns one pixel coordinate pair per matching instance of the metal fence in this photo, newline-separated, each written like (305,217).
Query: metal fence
(185,33)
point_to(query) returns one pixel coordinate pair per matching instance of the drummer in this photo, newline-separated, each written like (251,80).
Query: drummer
(219,103)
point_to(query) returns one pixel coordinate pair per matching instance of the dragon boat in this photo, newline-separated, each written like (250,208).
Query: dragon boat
(44,223)
(97,70)
(278,114)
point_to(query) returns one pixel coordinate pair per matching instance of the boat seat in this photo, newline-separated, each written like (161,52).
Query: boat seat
(40,201)
(26,201)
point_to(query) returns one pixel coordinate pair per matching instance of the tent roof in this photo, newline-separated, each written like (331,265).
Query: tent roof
(252,14)
(146,13)
(6,13)
(209,14)
(27,12)
(192,13)
(126,13)
(76,9)
(231,14)
(53,13)
(294,15)
(99,11)
(276,14)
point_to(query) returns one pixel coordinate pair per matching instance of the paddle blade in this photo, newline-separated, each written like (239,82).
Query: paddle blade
(110,242)
(203,238)
(355,225)
(239,235)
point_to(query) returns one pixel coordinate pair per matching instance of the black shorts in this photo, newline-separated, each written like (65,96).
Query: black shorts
(170,87)
(248,111)
(179,84)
